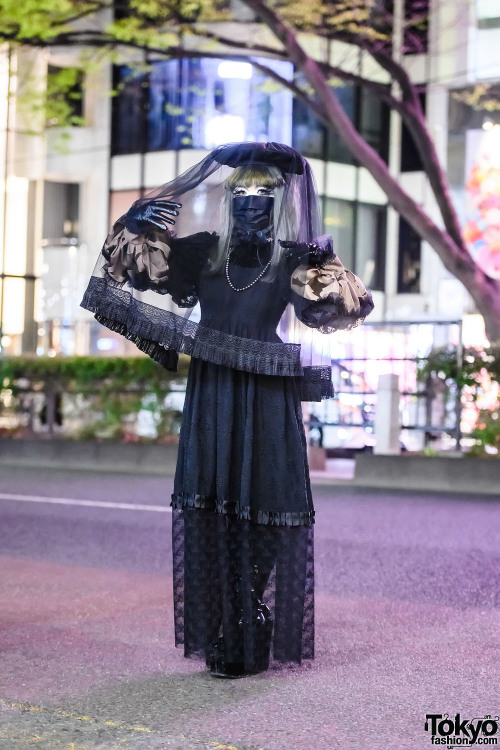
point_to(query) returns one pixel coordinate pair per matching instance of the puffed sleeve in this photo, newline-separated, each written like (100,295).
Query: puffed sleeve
(324,294)
(158,261)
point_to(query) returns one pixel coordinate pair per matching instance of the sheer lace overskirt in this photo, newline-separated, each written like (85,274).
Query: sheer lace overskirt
(221,564)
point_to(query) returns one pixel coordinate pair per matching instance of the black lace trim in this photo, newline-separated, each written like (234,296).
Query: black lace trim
(316,384)
(152,327)
(168,358)
(183,500)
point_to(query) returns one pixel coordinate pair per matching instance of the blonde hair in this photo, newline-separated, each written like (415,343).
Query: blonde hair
(284,216)
(270,177)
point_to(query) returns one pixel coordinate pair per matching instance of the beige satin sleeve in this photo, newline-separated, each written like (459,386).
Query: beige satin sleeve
(129,254)
(317,283)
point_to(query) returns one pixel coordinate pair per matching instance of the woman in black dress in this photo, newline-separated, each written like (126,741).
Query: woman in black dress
(266,283)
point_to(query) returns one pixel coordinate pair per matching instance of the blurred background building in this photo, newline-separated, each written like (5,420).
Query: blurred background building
(57,205)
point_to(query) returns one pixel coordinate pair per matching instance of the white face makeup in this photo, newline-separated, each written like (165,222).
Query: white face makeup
(241,190)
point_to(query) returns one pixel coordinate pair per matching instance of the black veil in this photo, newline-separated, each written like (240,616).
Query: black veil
(132,287)
(211,172)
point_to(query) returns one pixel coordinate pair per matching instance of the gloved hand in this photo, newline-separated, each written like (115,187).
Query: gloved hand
(157,212)
(315,253)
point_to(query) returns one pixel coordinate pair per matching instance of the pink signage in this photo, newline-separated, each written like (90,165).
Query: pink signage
(482,227)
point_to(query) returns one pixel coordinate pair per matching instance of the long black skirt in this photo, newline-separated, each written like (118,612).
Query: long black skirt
(242,517)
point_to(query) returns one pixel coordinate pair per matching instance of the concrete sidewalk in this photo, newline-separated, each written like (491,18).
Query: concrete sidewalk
(462,474)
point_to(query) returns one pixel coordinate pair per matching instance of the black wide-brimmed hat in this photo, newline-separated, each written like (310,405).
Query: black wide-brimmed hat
(261,154)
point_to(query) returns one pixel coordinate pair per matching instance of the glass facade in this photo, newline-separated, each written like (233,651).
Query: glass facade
(375,349)
(17,267)
(57,286)
(312,138)
(199,103)
(338,218)
(365,109)
(359,236)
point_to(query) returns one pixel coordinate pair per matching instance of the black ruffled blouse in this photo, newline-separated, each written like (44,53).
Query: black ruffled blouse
(237,328)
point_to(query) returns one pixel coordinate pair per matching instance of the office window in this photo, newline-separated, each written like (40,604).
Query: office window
(309,133)
(364,108)
(359,236)
(60,210)
(129,112)
(410,157)
(373,121)
(336,149)
(370,245)
(409,259)
(338,220)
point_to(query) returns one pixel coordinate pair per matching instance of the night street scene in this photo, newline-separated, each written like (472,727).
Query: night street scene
(249,374)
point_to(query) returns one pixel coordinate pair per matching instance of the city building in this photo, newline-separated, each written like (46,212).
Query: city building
(60,196)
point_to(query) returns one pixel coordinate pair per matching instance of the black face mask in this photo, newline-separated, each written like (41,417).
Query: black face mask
(252,213)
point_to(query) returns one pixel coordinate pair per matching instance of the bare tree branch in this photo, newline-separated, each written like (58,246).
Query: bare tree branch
(383,91)
(235,44)
(414,118)
(97,6)
(455,258)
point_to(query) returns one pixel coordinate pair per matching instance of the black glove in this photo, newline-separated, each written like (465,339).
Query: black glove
(157,212)
(311,253)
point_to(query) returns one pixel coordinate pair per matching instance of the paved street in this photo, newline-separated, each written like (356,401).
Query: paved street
(407,623)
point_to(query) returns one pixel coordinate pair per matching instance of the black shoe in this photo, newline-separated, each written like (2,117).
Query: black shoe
(218,665)
(262,624)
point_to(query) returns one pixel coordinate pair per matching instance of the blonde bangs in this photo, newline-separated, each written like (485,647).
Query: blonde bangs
(270,177)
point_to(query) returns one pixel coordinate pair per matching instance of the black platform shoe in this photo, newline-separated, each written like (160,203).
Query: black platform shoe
(262,622)
(219,667)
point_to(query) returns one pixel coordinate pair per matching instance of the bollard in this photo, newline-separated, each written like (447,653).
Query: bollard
(387,416)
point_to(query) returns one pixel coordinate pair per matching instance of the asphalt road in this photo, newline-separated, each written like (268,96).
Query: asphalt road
(407,623)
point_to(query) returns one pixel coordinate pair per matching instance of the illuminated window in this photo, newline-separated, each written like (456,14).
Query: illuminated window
(199,103)
(338,218)
(359,236)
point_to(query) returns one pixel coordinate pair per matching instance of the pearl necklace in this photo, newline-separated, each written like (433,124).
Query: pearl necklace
(243,288)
